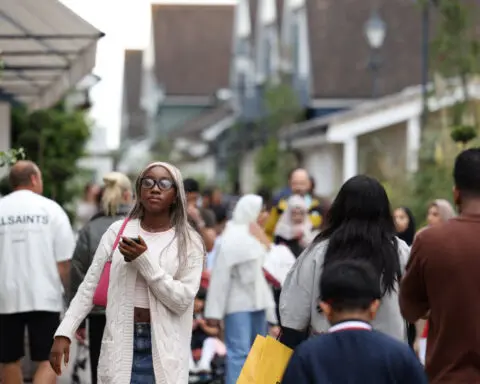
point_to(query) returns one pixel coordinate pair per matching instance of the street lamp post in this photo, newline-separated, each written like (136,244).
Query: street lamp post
(375,31)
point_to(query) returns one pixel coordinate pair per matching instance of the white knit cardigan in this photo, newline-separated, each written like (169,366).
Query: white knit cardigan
(171,294)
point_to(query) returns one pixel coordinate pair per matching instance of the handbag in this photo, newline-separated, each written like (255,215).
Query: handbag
(277,264)
(266,362)
(101,292)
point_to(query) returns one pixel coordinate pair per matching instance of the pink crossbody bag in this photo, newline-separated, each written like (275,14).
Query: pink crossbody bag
(101,293)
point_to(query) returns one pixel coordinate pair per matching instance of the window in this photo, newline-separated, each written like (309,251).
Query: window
(295,43)
(243,48)
(267,67)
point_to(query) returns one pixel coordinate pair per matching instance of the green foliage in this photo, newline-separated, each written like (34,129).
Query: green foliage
(456,55)
(55,139)
(266,165)
(433,179)
(455,52)
(455,49)
(11,156)
(282,105)
(463,134)
(272,163)
(161,149)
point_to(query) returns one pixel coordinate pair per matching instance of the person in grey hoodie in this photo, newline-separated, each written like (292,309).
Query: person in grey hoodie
(359,226)
(115,204)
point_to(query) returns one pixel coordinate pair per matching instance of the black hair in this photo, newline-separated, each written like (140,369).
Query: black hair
(290,173)
(266,195)
(98,198)
(313,184)
(466,172)
(350,285)
(220,213)
(409,233)
(208,192)
(359,225)
(201,294)
(191,185)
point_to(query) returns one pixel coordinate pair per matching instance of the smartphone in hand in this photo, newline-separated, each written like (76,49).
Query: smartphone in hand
(135,239)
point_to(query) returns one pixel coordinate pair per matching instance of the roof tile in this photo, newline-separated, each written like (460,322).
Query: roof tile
(193,47)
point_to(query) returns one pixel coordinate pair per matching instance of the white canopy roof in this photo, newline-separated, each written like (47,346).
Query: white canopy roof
(45,49)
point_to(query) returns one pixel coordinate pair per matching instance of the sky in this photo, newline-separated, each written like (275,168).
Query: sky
(111,17)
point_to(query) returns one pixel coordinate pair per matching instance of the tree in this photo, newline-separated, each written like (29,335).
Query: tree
(456,55)
(11,156)
(55,139)
(455,52)
(272,163)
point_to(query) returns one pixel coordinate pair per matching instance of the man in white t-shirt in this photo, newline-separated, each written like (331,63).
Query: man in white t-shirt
(36,245)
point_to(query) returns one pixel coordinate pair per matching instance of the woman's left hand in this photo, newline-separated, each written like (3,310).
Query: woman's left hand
(131,249)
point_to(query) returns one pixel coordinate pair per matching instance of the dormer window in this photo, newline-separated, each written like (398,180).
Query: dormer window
(295,44)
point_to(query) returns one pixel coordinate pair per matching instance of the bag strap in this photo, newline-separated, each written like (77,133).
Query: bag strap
(119,235)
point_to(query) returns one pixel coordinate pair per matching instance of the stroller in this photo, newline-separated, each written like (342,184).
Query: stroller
(80,372)
(217,372)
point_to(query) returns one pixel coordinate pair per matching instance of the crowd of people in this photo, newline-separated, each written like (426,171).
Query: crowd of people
(369,297)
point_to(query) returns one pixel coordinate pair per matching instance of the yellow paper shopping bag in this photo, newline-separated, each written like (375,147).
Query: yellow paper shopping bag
(249,372)
(273,362)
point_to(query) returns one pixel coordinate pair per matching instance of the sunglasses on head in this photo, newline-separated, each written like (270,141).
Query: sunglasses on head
(162,184)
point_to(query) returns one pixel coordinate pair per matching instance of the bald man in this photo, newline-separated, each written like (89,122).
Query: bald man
(36,245)
(300,184)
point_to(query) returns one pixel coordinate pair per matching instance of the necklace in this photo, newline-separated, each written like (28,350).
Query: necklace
(150,229)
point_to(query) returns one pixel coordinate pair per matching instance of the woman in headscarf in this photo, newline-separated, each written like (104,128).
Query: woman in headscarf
(154,277)
(404,224)
(439,211)
(238,292)
(294,228)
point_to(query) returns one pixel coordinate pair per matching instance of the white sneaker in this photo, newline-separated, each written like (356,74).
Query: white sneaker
(193,367)
(203,367)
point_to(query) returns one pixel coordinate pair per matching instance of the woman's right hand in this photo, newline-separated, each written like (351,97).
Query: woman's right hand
(60,351)
(259,233)
(213,323)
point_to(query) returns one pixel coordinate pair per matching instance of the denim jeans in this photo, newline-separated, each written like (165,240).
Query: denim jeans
(142,367)
(241,328)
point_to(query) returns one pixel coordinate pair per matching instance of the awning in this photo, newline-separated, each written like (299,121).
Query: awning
(45,49)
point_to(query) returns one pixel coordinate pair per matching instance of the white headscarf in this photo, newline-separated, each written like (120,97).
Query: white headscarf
(286,229)
(238,245)
(244,255)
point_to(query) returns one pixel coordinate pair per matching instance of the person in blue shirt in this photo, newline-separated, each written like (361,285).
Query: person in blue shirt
(351,351)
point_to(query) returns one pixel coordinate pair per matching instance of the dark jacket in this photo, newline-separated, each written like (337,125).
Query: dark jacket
(87,243)
(354,357)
